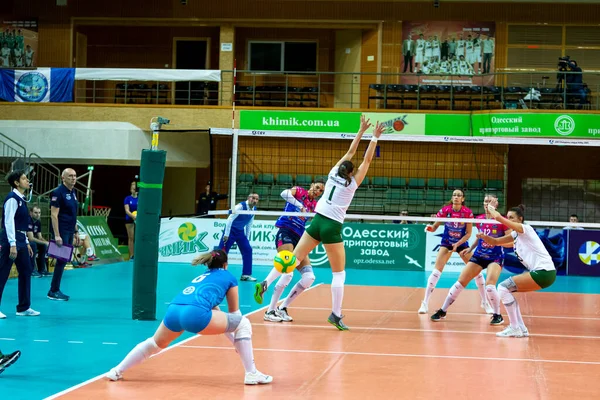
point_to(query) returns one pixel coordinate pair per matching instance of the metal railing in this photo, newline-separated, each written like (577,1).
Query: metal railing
(501,90)
(10,151)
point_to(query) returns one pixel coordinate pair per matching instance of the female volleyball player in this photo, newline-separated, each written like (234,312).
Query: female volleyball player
(195,310)
(484,256)
(454,239)
(326,226)
(130,205)
(530,250)
(290,231)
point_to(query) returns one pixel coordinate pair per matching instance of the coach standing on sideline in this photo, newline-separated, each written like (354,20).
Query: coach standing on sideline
(15,246)
(63,212)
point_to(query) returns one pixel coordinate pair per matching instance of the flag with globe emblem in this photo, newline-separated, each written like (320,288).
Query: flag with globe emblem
(36,86)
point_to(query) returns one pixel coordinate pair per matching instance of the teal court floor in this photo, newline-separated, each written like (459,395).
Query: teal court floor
(72,342)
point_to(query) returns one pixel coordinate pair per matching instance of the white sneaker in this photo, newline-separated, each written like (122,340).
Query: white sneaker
(256,378)
(283,314)
(30,312)
(272,316)
(510,332)
(487,307)
(524,331)
(2,316)
(424,309)
(113,375)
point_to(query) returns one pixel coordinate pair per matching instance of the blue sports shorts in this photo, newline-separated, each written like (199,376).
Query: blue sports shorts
(186,318)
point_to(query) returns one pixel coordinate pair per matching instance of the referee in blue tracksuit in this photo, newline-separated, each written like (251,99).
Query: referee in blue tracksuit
(14,244)
(238,230)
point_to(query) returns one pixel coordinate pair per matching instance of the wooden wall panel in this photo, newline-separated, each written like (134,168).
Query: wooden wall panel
(370,48)
(54,46)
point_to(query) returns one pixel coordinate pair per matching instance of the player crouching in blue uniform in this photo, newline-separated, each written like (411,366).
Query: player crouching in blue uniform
(196,310)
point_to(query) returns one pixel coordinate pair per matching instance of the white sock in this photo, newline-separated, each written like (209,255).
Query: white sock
(480,282)
(511,306)
(282,283)
(244,349)
(274,274)
(337,292)
(431,283)
(89,252)
(493,297)
(452,295)
(519,316)
(140,353)
(294,293)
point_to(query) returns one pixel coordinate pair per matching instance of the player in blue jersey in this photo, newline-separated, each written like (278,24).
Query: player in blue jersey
(196,310)
(290,231)
(483,256)
(237,230)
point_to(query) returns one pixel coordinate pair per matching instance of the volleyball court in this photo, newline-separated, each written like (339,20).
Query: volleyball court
(390,350)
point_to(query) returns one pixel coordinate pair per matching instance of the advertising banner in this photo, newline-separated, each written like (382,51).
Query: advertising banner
(101,238)
(536,125)
(18,43)
(343,123)
(434,50)
(583,252)
(369,246)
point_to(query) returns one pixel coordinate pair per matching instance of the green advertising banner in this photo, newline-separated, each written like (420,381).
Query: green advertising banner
(380,246)
(101,238)
(536,125)
(261,122)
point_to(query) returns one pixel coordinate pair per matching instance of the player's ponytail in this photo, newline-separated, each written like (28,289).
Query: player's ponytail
(214,259)
(344,171)
(520,211)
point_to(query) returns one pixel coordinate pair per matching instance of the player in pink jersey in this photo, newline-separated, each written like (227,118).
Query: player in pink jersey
(290,231)
(454,239)
(482,256)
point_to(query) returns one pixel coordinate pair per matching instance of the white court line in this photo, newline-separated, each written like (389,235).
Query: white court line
(451,313)
(6,338)
(74,341)
(369,328)
(41,340)
(356,353)
(68,390)
(111,343)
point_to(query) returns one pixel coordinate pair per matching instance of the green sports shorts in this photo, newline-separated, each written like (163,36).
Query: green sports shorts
(325,230)
(543,278)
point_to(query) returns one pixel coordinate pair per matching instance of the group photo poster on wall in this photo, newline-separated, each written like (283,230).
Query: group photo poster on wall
(449,53)
(18,43)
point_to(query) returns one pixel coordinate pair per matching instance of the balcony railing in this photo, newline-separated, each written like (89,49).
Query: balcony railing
(502,90)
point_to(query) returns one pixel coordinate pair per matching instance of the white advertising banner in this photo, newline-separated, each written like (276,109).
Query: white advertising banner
(181,239)
(455,263)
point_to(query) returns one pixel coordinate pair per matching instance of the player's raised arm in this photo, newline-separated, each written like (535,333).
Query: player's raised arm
(364,125)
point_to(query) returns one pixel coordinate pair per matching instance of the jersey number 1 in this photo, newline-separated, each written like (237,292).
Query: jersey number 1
(331,193)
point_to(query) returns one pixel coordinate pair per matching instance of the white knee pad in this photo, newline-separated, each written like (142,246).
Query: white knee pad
(244,329)
(308,277)
(285,280)
(505,295)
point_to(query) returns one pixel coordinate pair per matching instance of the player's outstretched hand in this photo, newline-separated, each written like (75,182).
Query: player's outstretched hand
(379,128)
(364,123)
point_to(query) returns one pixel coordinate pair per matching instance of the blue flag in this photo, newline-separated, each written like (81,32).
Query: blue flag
(40,85)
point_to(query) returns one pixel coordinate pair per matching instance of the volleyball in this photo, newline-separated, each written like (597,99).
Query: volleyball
(187,231)
(285,261)
(134,213)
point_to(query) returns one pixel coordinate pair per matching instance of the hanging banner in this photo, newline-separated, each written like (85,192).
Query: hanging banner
(368,246)
(536,125)
(343,123)
(102,242)
(583,252)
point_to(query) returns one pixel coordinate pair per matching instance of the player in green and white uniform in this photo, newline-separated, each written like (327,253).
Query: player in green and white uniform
(531,252)
(326,226)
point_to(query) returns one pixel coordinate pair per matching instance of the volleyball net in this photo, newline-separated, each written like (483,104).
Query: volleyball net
(410,178)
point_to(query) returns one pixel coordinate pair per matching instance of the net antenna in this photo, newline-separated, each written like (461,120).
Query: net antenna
(234,145)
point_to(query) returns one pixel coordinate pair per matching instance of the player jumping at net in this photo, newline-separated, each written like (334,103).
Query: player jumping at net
(530,250)
(454,239)
(196,310)
(290,231)
(484,256)
(326,226)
